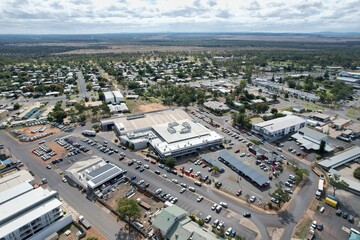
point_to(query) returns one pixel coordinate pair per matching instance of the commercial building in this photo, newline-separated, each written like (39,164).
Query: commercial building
(321,117)
(170,132)
(15,178)
(311,139)
(29,213)
(95,175)
(278,127)
(341,158)
(173,223)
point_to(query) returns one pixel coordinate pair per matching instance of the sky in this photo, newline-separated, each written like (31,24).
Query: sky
(128,16)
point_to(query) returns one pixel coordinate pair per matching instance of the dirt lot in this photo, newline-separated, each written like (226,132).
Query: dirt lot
(61,152)
(28,130)
(92,232)
(150,107)
(121,192)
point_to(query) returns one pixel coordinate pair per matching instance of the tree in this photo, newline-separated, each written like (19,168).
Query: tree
(279,194)
(89,86)
(337,184)
(170,162)
(274,111)
(57,114)
(357,173)
(286,95)
(322,147)
(300,173)
(129,210)
(17,106)
(216,170)
(291,83)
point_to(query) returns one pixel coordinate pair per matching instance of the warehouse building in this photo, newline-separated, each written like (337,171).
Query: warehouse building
(95,175)
(279,127)
(113,97)
(311,139)
(29,213)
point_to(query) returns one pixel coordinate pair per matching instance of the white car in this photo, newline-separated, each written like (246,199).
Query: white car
(224,204)
(64,180)
(182,190)
(214,206)
(174,181)
(183,185)
(252,199)
(164,175)
(200,198)
(208,219)
(146,166)
(48,166)
(158,191)
(242,154)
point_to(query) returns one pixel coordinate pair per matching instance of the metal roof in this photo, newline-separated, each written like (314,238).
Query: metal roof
(240,166)
(100,170)
(341,158)
(280,123)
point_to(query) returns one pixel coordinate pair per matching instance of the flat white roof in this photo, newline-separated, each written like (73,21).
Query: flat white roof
(12,208)
(195,130)
(15,191)
(280,123)
(29,216)
(14,179)
(147,120)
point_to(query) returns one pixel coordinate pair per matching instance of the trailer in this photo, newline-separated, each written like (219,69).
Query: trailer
(89,133)
(143,204)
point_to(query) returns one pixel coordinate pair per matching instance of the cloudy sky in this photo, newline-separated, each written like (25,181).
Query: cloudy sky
(118,16)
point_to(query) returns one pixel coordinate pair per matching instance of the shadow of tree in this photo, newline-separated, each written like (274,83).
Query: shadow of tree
(123,234)
(286,217)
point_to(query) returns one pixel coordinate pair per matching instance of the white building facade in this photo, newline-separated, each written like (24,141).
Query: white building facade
(28,213)
(279,127)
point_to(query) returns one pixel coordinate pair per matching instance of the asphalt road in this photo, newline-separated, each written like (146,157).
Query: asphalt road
(82,85)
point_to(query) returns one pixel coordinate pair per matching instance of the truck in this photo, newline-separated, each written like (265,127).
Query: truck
(84,222)
(320,189)
(143,204)
(89,133)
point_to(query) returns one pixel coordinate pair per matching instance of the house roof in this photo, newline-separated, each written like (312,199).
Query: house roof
(167,217)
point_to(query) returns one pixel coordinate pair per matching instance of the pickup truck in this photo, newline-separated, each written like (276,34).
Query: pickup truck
(84,222)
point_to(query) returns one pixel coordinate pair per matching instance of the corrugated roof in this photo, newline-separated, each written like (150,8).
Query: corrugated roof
(280,123)
(341,158)
(167,217)
(248,171)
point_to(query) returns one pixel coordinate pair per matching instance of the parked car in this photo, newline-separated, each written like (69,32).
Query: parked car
(252,199)
(247,215)
(208,219)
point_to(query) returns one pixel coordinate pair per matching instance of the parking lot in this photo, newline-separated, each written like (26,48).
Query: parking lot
(333,224)
(232,182)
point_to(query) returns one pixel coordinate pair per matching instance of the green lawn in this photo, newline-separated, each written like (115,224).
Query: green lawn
(312,106)
(353,113)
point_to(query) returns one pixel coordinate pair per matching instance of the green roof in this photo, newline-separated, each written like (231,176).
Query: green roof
(167,217)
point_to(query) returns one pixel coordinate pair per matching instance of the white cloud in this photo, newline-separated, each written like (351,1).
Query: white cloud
(98,16)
